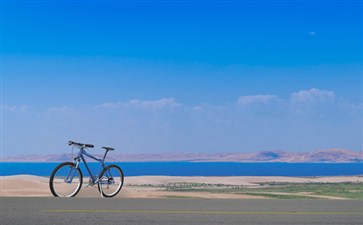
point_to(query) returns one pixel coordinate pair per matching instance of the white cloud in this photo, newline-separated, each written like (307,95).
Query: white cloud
(260,99)
(312,96)
(209,107)
(145,105)
(61,109)
(15,108)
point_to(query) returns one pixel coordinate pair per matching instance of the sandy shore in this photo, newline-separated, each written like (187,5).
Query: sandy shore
(152,186)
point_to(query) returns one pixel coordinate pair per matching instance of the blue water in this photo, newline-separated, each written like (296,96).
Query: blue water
(200,169)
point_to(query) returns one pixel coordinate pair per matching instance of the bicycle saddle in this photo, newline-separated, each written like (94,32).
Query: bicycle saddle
(108,148)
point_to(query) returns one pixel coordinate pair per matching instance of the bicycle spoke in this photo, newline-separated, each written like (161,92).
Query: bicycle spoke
(112,181)
(66,180)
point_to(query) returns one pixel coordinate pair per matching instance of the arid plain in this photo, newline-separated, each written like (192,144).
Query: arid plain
(247,187)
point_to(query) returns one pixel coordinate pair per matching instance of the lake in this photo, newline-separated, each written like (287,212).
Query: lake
(199,169)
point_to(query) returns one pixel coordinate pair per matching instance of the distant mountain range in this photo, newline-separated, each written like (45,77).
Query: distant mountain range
(330,155)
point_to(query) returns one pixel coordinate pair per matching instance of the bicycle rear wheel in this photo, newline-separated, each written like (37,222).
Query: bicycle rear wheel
(66,180)
(111,182)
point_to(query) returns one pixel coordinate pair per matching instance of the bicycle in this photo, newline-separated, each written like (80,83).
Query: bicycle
(67,178)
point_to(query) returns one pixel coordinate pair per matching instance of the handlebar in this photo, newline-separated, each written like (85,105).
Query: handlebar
(81,145)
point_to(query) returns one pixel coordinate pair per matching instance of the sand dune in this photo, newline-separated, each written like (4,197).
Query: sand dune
(149,186)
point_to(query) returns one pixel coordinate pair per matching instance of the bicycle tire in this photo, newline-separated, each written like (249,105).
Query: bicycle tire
(103,176)
(52,180)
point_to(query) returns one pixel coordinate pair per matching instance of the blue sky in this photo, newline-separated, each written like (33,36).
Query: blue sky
(174,76)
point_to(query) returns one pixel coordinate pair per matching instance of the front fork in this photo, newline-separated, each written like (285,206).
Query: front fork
(72,171)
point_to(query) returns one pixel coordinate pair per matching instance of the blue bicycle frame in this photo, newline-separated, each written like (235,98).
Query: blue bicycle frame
(79,157)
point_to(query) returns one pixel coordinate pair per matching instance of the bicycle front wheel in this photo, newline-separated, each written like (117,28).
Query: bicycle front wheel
(66,180)
(111,182)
